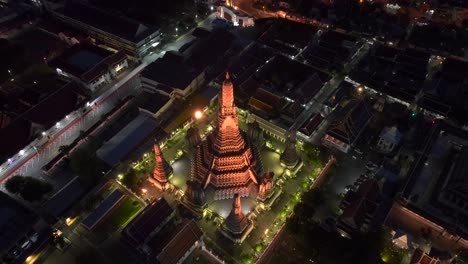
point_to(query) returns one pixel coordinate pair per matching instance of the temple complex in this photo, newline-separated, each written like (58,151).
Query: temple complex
(162,170)
(226,163)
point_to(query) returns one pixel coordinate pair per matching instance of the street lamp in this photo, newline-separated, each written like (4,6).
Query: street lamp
(198,114)
(21,153)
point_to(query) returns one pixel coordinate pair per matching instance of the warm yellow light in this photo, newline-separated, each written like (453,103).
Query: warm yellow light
(360,89)
(31,259)
(144,190)
(69,221)
(198,114)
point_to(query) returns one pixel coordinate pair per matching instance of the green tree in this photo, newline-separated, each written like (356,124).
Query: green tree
(28,188)
(14,184)
(64,149)
(86,164)
(131,180)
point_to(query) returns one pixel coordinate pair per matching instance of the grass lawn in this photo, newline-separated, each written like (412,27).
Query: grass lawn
(125,212)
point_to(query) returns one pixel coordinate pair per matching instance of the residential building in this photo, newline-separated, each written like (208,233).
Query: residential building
(90,65)
(171,75)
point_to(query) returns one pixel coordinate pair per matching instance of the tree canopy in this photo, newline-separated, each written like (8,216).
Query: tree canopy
(29,188)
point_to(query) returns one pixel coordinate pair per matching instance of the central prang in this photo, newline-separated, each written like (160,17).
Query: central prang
(226,163)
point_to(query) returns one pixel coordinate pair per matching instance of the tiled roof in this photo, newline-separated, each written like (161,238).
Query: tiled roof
(181,242)
(147,221)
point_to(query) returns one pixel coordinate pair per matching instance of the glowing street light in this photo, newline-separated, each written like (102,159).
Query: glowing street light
(22,152)
(360,89)
(44,133)
(198,114)
(144,190)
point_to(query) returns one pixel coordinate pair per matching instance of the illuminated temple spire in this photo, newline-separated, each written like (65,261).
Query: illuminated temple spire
(162,170)
(225,161)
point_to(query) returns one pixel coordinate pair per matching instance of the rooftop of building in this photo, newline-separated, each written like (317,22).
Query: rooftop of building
(331,51)
(115,24)
(146,222)
(87,61)
(171,70)
(46,113)
(436,36)
(286,77)
(152,101)
(399,73)
(437,183)
(217,43)
(288,37)
(182,240)
(348,120)
(357,204)
(127,140)
(65,198)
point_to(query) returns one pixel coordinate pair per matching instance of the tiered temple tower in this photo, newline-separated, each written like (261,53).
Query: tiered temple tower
(237,226)
(226,162)
(162,169)
(289,157)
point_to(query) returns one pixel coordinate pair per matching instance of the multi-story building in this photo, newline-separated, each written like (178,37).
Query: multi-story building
(90,65)
(170,75)
(118,32)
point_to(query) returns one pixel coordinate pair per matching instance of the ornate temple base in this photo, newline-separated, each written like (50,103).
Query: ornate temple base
(160,185)
(196,210)
(240,237)
(213,193)
(270,200)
